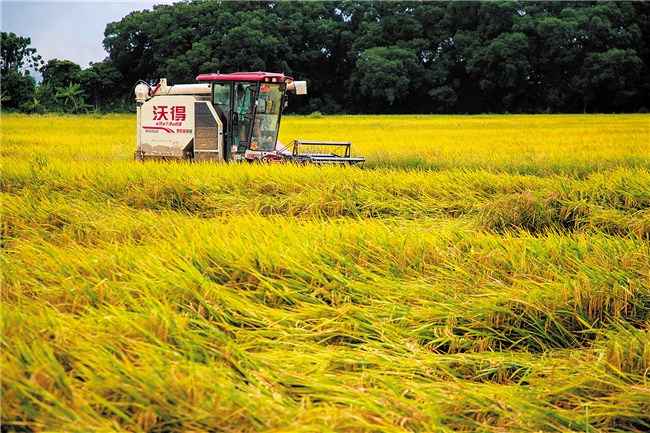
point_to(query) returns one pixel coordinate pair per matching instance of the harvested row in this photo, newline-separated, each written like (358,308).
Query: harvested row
(435,325)
(329,314)
(616,202)
(592,277)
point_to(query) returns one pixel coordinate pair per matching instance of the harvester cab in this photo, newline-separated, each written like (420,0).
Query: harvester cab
(226,117)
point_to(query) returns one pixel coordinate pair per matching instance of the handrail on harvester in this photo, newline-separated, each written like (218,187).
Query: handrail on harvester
(323,152)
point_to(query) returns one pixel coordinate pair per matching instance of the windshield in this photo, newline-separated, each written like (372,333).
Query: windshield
(244,105)
(267,120)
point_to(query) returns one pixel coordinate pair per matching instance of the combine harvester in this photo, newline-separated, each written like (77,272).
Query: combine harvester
(226,117)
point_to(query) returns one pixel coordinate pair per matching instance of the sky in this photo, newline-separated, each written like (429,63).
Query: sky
(67,30)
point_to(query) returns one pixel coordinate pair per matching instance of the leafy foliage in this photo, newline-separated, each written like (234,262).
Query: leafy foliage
(398,57)
(17,90)
(16,54)
(72,98)
(404,56)
(18,86)
(60,73)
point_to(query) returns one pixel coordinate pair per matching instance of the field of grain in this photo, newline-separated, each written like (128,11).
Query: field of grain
(481,273)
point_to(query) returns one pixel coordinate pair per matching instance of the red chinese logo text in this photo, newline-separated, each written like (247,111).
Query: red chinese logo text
(164,112)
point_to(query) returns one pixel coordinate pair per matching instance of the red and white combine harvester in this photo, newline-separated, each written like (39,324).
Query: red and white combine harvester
(226,117)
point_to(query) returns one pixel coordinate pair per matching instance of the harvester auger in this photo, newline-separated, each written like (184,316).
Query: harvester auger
(226,117)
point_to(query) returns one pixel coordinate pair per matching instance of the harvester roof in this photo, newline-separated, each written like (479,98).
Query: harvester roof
(246,76)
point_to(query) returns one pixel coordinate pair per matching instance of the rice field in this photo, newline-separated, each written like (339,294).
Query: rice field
(480,273)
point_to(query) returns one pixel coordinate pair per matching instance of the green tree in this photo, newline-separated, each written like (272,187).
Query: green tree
(574,46)
(502,69)
(16,54)
(46,98)
(18,90)
(384,76)
(611,79)
(60,73)
(403,56)
(18,86)
(62,88)
(317,39)
(130,47)
(71,98)
(103,85)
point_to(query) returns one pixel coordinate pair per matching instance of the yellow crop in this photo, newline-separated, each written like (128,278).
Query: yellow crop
(481,273)
(528,142)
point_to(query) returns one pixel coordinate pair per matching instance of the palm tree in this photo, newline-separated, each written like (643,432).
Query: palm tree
(72,96)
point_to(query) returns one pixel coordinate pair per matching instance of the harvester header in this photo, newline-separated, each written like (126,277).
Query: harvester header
(226,117)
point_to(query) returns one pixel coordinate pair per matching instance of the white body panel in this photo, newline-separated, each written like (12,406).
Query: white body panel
(182,89)
(168,128)
(185,89)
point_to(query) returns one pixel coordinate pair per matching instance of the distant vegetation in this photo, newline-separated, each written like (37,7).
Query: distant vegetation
(482,273)
(369,57)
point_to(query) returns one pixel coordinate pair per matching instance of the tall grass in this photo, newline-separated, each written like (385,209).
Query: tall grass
(486,293)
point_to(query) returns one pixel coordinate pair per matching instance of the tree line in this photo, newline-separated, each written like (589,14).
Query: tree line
(371,57)
(65,86)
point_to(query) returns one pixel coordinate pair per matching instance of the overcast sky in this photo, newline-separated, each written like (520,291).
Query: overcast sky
(67,30)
